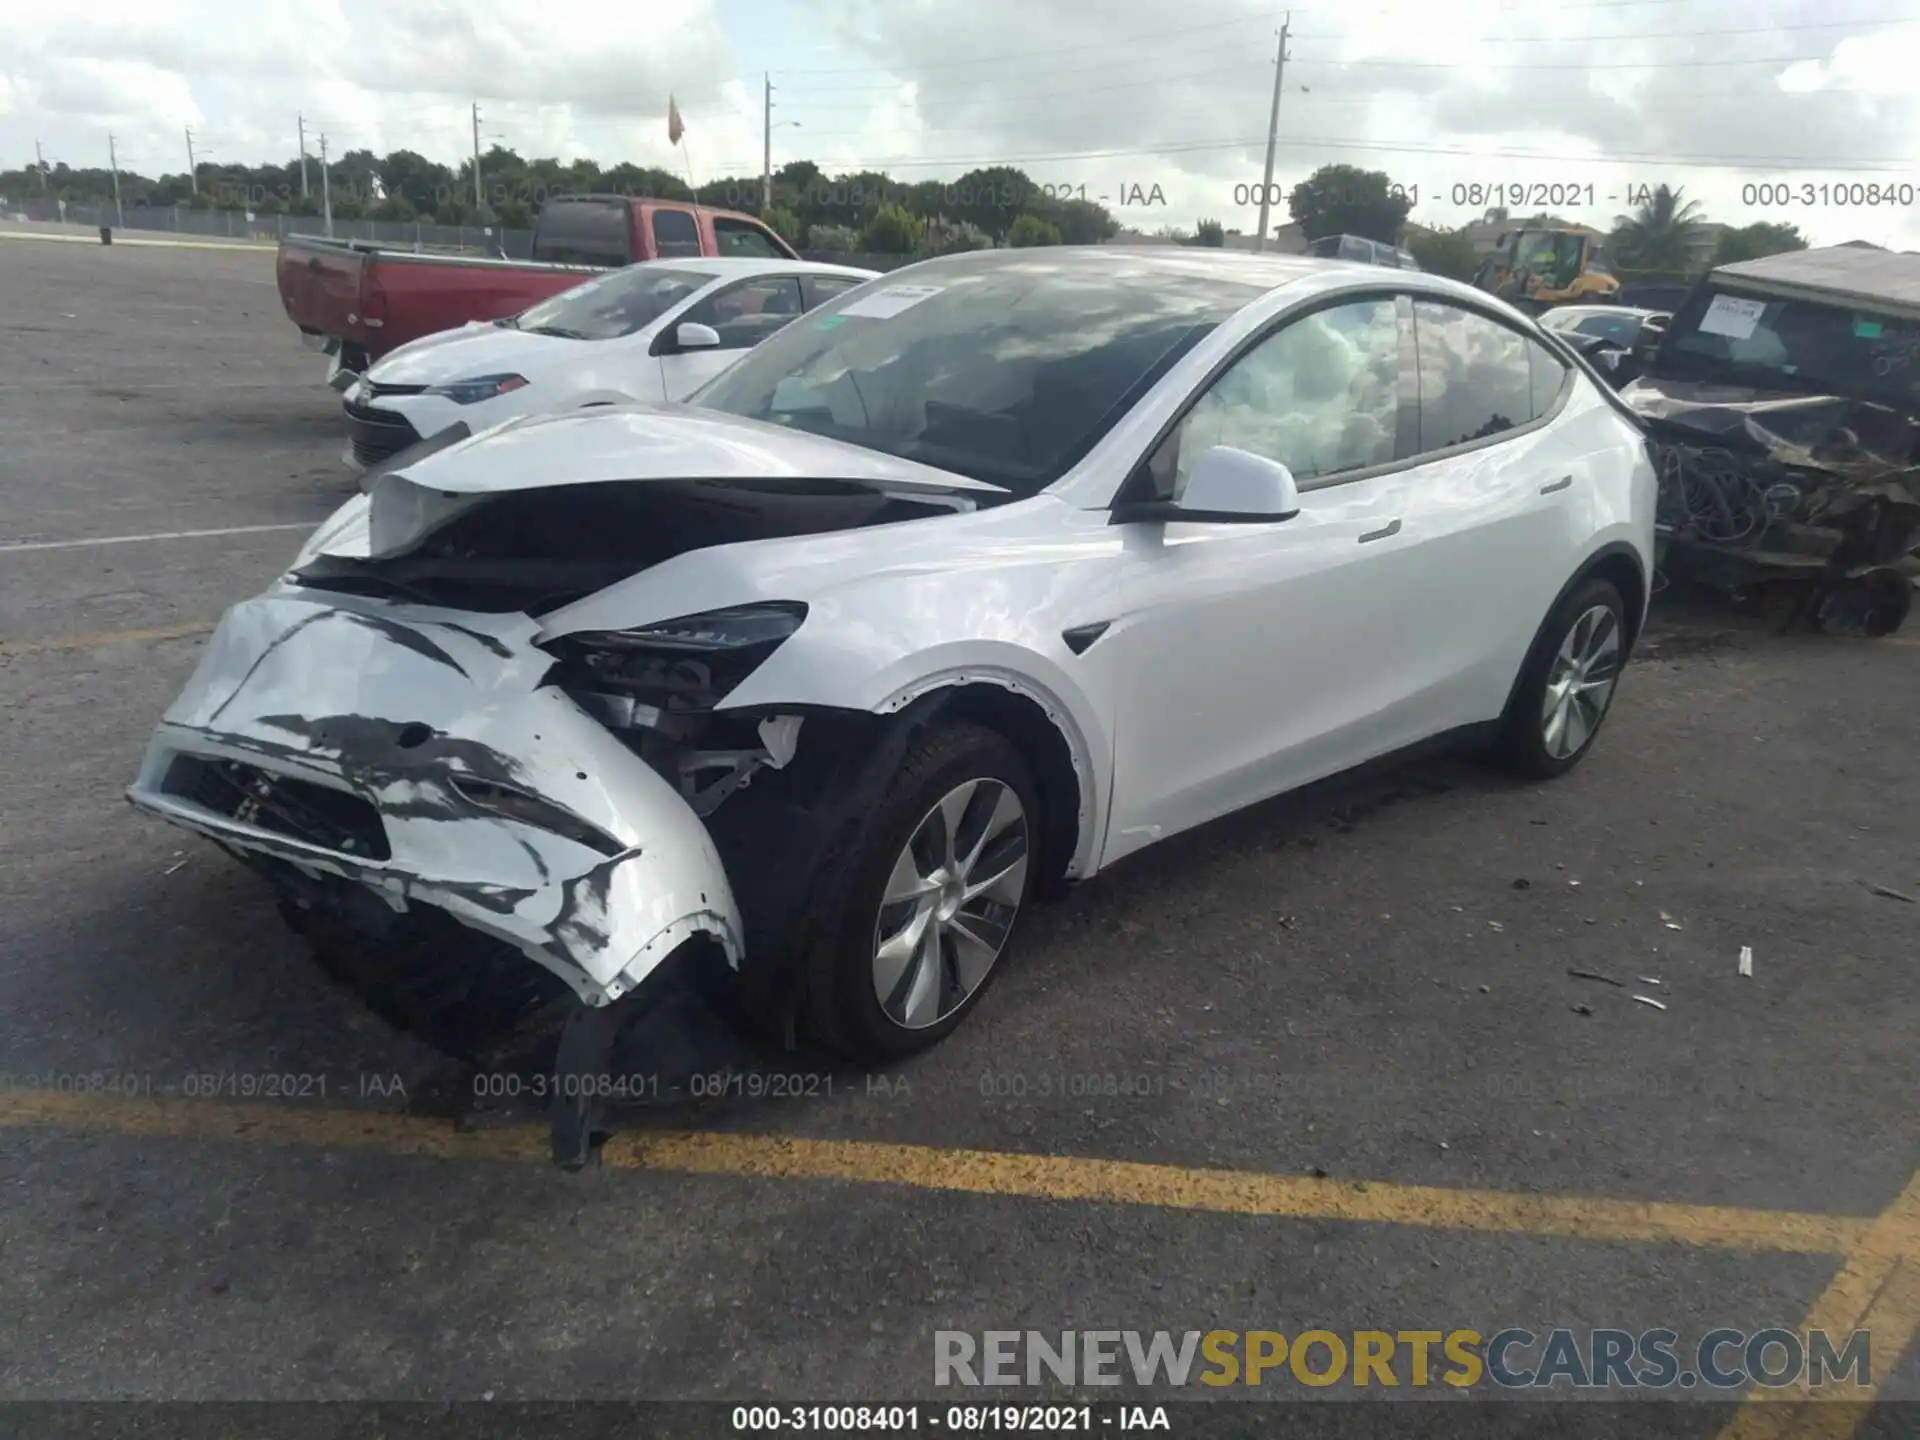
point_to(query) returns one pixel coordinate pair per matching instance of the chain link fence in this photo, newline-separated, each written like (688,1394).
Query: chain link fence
(244,226)
(262,229)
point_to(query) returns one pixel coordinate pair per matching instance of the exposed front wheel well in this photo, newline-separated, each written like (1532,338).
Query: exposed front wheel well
(1023,722)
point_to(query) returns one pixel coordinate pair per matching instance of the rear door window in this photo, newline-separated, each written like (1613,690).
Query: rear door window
(675,235)
(1477,377)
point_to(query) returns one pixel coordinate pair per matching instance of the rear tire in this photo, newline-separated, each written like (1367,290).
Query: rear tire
(910,935)
(1567,686)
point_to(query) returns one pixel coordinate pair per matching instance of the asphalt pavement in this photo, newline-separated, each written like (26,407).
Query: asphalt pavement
(1320,1066)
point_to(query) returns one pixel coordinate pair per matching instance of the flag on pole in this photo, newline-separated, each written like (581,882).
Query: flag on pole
(675,129)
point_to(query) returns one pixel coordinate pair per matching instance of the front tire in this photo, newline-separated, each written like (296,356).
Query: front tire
(918,914)
(1568,683)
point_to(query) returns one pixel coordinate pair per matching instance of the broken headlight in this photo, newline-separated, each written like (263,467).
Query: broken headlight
(684,666)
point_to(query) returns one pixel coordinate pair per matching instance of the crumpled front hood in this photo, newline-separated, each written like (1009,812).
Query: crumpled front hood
(627,443)
(1856,440)
(463,354)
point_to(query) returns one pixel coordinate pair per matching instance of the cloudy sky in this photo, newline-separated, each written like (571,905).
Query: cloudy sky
(1592,99)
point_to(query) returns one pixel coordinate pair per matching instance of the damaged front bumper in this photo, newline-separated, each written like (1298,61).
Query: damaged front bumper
(418,753)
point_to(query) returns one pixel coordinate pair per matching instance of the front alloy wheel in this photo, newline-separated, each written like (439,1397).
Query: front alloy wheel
(950,903)
(1580,682)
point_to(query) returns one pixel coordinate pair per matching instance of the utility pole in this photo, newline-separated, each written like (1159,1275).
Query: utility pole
(479,199)
(302,121)
(1273,127)
(113,163)
(326,187)
(766,142)
(193,170)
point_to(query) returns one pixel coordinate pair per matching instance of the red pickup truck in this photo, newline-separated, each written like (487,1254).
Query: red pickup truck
(357,301)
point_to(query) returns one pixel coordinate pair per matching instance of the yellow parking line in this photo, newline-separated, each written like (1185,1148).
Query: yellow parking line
(96,638)
(1877,1290)
(978,1172)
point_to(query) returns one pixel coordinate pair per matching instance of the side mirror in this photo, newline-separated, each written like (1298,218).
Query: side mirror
(691,335)
(1227,487)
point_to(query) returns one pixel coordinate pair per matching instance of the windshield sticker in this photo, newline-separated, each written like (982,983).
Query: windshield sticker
(1732,317)
(828,322)
(1865,329)
(887,303)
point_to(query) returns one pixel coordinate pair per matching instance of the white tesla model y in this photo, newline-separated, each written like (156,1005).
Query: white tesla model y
(968,583)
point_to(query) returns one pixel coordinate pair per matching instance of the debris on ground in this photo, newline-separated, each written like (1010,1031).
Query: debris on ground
(1495,925)
(1648,980)
(1649,1000)
(1746,961)
(1889,892)
(1668,921)
(1596,975)
(1582,1009)
(1523,883)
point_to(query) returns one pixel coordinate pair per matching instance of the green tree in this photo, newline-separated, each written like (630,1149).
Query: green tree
(1211,234)
(1082,222)
(833,239)
(783,222)
(1444,252)
(1660,237)
(893,230)
(992,198)
(950,237)
(394,207)
(1032,230)
(1346,200)
(421,181)
(1752,242)
(646,182)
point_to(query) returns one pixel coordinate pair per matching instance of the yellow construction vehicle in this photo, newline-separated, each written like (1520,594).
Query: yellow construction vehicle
(1537,267)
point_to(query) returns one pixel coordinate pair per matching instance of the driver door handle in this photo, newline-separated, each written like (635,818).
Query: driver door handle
(1561,484)
(1382,533)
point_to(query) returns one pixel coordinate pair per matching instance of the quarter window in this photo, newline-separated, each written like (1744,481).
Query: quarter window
(1321,396)
(825,287)
(1477,377)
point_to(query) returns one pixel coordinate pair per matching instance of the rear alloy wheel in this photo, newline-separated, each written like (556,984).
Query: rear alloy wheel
(1568,684)
(916,916)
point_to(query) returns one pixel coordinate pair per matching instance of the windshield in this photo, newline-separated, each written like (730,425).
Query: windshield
(612,305)
(1555,257)
(1795,345)
(1005,368)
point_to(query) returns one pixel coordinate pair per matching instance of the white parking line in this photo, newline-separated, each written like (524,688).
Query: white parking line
(20,545)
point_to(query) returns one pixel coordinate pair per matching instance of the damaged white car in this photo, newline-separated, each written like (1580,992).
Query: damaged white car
(964,586)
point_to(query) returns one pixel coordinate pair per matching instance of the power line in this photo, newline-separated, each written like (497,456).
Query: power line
(1250,19)
(1473,152)
(893,86)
